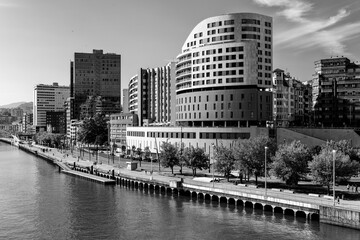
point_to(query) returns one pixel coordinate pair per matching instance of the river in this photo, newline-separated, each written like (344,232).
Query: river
(38,202)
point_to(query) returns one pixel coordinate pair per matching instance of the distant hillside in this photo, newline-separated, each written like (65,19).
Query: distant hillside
(26,106)
(12,105)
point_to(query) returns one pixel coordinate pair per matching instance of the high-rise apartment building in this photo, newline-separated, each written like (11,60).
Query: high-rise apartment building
(48,98)
(336,94)
(224,71)
(96,76)
(150,94)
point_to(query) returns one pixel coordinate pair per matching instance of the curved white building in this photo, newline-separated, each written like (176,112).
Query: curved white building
(224,71)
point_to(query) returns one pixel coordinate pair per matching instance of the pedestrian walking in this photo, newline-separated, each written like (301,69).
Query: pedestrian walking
(338,200)
(348,187)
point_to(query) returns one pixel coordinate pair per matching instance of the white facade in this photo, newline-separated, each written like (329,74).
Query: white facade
(153,137)
(48,98)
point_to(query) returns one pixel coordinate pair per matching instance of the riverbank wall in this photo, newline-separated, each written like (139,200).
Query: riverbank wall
(340,217)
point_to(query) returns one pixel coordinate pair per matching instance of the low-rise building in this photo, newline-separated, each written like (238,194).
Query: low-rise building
(202,137)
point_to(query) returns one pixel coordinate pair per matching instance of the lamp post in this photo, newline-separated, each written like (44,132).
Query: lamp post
(213,172)
(266,148)
(334,153)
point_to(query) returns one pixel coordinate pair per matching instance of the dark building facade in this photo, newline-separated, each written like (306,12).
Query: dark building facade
(96,76)
(56,122)
(336,93)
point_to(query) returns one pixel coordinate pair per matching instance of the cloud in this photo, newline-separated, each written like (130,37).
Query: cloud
(294,9)
(306,32)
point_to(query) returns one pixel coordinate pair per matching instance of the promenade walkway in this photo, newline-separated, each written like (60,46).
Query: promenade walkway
(163,176)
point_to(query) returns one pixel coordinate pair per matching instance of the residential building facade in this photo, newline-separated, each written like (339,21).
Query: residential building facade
(150,94)
(336,93)
(291,100)
(223,74)
(27,122)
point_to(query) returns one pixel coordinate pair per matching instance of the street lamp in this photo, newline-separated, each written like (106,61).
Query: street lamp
(334,153)
(213,174)
(266,148)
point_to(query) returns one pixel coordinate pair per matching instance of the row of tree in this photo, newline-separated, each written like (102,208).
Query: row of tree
(50,139)
(288,162)
(194,158)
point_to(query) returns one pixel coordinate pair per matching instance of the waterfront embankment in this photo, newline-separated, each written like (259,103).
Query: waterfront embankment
(300,205)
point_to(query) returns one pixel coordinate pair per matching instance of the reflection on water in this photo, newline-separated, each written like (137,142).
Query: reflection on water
(38,202)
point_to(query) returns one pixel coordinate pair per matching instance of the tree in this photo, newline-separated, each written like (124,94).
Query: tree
(321,167)
(290,162)
(94,130)
(147,152)
(251,153)
(49,139)
(138,153)
(345,147)
(196,159)
(168,156)
(133,150)
(181,157)
(225,160)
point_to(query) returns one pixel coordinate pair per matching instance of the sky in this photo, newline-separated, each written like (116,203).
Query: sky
(38,38)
